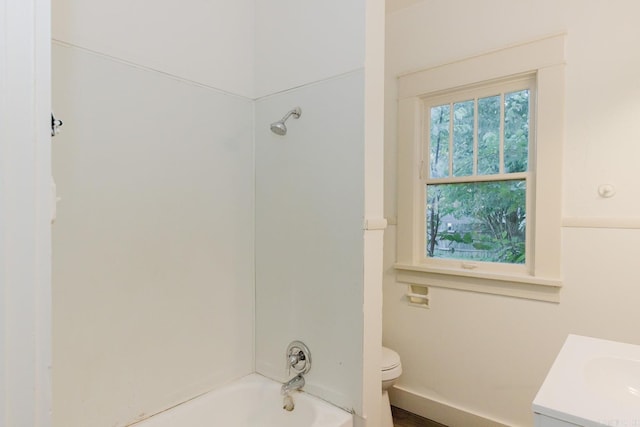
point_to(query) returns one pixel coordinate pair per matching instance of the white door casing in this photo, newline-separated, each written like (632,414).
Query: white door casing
(25,214)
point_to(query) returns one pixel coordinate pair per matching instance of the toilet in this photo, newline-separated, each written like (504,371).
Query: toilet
(391,371)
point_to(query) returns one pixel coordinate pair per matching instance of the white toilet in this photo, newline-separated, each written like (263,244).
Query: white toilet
(391,371)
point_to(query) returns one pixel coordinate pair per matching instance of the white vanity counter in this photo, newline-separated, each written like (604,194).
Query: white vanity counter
(592,382)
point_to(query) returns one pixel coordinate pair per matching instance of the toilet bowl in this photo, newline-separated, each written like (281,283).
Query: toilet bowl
(391,371)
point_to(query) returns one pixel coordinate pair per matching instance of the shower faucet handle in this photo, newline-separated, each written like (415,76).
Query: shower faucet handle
(298,358)
(294,357)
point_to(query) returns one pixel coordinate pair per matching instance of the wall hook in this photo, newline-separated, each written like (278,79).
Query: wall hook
(55,125)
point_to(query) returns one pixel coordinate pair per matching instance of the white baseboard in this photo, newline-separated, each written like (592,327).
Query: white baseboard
(438,411)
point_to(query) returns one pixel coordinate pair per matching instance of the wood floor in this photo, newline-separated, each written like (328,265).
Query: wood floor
(402,418)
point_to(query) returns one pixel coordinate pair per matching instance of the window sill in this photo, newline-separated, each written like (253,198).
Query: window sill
(517,286)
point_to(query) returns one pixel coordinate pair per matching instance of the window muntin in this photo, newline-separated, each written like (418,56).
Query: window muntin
(478,145)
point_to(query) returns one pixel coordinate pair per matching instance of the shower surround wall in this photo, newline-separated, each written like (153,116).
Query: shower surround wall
(153,243)
(310,192)
(166,131)
(309,248)
(153,247)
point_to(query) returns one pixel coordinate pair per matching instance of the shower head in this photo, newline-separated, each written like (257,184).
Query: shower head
(279,127)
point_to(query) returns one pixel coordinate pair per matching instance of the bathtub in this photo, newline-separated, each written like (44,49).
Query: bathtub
(252,401)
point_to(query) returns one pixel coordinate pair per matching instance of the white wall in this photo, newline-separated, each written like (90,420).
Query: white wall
(209,42)
(147,309)
(310,194)
(472,358)
(298,43)
(153,247)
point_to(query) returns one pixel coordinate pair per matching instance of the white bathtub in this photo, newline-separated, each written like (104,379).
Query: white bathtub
(252,401)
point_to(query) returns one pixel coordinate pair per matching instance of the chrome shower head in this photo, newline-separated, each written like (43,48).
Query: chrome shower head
(279,127)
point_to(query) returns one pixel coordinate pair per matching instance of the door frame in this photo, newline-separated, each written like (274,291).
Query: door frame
(25,213)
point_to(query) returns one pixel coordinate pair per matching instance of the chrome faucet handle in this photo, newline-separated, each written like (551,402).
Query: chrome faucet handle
(294,358)
(298,358)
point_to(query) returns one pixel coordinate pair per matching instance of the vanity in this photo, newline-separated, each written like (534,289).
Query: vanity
(592,382)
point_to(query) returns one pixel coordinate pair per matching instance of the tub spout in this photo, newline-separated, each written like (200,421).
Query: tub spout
(295,383)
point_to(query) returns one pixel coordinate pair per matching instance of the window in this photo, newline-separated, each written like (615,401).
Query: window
(479,193)
(477,148)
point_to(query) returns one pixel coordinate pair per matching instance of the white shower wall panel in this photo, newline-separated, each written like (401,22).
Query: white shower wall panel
(309,237)
(153,245)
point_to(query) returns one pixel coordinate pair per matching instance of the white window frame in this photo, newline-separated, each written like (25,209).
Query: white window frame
(501,87)
(540,278)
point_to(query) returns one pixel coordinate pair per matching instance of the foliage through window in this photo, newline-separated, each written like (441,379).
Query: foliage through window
(478,146)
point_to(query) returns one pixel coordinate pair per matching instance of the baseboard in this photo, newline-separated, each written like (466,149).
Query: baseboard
(438,410)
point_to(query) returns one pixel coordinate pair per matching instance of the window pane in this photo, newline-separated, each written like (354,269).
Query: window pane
(482,221)
(463,138)
(439,141)
(516,131)
(489,135)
